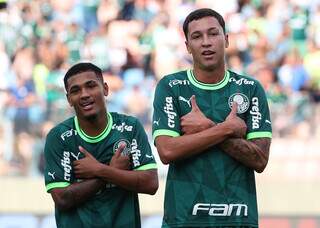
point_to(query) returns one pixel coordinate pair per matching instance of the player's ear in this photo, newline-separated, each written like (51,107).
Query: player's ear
(69,101)
(187,46)
(105,89)
(226,40)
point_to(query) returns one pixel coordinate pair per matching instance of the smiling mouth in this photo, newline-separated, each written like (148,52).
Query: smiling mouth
(87,105)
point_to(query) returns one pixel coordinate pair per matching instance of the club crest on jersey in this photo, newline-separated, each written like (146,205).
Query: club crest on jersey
(242,101)
(126,150)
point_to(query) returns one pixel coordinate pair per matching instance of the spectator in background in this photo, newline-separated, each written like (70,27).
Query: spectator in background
(5,66)
(298,22)
(3,4)
(20,102)
(292,74)
(90,18)
(54,89)
(22,91)
(312,65)
(4,166)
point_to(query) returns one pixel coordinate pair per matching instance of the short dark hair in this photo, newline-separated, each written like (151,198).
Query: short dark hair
(200,13)
(79,68)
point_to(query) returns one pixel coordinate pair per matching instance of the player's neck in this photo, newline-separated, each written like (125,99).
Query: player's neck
(209,76)
(93,127)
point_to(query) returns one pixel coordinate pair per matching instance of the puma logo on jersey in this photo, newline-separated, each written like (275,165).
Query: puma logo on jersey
(156,122)
(75,156)
(268,121)
(149,156)
(52,175)
(185,100)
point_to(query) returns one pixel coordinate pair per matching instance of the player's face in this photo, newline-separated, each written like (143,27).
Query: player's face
(86,94)
(206,43)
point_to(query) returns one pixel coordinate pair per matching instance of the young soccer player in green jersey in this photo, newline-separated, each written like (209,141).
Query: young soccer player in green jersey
(212,126)
(97,161)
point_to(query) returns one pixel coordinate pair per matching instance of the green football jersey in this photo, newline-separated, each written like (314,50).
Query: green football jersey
(113,206)
(212,188)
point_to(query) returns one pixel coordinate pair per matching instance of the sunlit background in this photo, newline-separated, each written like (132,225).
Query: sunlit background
(136,43)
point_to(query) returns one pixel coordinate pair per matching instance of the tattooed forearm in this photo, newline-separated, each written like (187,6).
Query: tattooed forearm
(254,154)
(75,194)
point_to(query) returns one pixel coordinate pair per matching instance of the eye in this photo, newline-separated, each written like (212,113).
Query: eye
(91,84)
(74,90)
(194,37)
(213,33)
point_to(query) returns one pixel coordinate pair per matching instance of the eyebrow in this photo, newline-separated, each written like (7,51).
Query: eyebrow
(209,29)
(213,28)
(86,83)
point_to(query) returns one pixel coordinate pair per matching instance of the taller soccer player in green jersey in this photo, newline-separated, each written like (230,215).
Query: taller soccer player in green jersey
(97,161)
(212,126)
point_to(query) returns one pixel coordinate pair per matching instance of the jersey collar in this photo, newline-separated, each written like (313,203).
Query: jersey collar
(206,86)
(97,138)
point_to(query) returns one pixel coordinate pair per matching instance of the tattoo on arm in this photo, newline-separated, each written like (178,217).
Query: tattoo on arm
(76,194)
(254,154)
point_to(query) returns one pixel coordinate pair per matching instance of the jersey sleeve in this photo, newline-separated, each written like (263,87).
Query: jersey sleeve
(258,119)
(166,119)
(58,168)
(141,154)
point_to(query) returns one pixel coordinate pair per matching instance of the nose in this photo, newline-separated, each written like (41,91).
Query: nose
(84,93)
(206,41)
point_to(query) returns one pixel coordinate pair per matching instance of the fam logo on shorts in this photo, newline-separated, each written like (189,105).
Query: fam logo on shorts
(242,101)
(126,143)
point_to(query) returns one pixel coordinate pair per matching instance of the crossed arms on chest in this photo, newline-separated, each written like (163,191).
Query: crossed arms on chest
(95,175)
(200,133)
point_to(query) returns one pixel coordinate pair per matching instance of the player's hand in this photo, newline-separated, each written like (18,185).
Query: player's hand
(120,161)
(195,121)
(86,167)
(239,127)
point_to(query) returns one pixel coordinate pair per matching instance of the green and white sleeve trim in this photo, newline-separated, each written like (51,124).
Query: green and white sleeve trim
(260,134)
(171,133)
(57,185)
(147,167)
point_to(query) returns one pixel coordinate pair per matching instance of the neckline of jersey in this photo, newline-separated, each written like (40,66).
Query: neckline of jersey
(208,86)
(98,138)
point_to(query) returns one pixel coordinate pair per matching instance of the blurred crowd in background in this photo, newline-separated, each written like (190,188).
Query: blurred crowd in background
(136,43)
